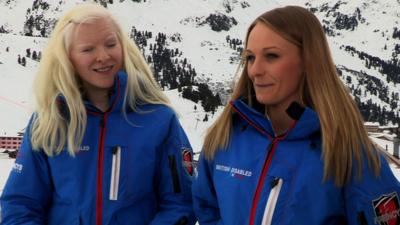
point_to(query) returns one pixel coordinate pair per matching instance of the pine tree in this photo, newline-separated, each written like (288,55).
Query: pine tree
(23,61)
(34,55)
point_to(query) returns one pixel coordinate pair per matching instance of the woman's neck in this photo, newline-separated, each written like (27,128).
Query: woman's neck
(99,99)
(280,120)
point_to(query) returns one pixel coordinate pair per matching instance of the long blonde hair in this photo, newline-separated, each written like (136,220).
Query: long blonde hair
(344,137)
(56,77)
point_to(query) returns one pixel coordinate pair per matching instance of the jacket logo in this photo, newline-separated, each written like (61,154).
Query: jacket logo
(187,161)
(17,167)
(84,148)
(234,172)
(387,209)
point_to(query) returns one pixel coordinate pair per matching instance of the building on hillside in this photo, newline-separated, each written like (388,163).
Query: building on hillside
(388,142)
(375,127)
(11,142)
(372,127)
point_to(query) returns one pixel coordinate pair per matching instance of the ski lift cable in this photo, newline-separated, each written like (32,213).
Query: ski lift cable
(15,103)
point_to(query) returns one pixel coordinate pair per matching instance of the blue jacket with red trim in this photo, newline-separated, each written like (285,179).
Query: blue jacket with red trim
(263,179)
(124,173)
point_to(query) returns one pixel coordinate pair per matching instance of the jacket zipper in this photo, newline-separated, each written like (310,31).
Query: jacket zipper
(100,157)
(174,173)
(261,181)
(115,169)
(276,186)
(99,189)
(362,220)
(271,151)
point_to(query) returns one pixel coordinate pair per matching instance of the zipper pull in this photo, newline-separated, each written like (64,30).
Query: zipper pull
(182,221)
(115,150)
(274,182)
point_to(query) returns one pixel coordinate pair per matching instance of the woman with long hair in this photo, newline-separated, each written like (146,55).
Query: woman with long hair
(291,147)
(104,146)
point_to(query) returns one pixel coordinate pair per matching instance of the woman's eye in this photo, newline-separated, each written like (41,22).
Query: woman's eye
(111,45)
(87,49)
(249,58)
(271,56)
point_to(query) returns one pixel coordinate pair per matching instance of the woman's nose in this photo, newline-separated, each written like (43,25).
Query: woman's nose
(255,68)
(102,55)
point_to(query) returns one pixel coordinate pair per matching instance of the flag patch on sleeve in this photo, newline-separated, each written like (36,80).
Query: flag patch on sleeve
(387,209)
(187,161)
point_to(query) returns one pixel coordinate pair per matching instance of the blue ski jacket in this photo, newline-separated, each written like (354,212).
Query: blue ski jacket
(124,173)
(263,179)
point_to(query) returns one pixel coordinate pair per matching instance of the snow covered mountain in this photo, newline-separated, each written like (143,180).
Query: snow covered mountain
(194,46)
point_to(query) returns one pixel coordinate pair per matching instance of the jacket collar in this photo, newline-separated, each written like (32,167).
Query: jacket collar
(307,125)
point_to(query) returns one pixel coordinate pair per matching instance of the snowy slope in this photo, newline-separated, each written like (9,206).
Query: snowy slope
(16,83)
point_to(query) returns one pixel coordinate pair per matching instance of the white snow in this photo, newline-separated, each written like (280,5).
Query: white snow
(5,167)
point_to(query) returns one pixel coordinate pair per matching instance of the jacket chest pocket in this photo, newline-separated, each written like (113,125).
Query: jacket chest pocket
(130,173)
(275,204)
(276,187)
(115,172)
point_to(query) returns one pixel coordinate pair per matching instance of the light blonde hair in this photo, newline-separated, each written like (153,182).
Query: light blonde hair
(51,130)
(344,137)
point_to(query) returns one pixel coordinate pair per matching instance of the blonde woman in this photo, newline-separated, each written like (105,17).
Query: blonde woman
(104,146)
(291,148)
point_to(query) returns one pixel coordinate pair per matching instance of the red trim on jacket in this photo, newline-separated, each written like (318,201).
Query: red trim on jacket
(259,129)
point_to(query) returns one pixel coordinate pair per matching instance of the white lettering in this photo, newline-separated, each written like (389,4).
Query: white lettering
(233,171)
(222,168)
(17,167)
(84,148)
(241,172)
(388,216)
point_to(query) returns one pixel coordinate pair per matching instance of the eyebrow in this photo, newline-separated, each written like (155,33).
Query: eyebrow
(263,49)
(108,39)
(83,45)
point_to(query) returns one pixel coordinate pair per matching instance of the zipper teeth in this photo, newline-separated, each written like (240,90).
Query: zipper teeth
(99,194)
(271,203)
(114,183)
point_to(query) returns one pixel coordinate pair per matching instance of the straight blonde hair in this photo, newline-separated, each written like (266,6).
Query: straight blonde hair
(56,77)
(344,138)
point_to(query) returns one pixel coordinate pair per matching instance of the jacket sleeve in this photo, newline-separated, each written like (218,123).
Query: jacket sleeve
(205,201)
(27,192)
(373,200)
(174,179)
